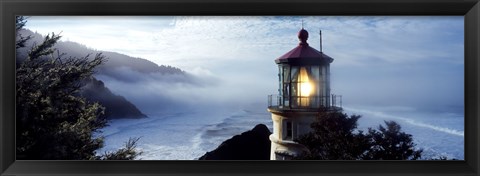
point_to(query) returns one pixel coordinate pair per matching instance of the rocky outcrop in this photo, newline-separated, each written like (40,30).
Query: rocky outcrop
(250,145)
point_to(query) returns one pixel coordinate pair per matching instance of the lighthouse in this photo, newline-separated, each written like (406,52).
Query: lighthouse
(304,92)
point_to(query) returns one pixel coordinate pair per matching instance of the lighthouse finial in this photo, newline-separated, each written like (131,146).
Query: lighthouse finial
(303,36)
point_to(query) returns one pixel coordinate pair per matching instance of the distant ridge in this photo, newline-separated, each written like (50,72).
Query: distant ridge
(115,60)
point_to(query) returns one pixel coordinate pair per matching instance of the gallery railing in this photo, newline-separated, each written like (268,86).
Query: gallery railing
(302,102)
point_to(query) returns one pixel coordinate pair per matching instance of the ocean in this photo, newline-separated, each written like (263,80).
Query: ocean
(189,135)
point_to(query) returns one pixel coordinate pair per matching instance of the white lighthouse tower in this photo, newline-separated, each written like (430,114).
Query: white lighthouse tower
(304,92)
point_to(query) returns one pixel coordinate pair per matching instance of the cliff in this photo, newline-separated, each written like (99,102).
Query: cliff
(115,106)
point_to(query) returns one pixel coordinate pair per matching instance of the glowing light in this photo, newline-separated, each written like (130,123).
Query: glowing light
(305,87)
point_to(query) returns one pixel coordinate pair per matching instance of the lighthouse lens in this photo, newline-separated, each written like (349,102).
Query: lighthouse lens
(305,85)
(305,89)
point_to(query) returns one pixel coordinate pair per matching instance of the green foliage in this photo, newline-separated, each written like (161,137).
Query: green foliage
(127,153)
(334,137)
(20,23)
(53,121)
(391,144)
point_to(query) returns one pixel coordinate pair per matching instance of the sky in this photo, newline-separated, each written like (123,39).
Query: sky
(397,61)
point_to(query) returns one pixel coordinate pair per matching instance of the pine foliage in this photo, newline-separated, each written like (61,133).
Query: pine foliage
(53,121)
(390,143)
(127,153)
(335,137)
(21,40)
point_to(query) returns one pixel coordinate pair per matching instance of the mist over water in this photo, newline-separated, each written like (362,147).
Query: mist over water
(199,91)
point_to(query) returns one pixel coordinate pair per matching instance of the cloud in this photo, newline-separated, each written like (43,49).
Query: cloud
(378,60)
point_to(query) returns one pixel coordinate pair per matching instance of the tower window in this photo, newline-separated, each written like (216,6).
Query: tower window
(288,130)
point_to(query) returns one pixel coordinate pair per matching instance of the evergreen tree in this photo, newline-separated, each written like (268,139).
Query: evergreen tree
(127,153)
(53,121)
(334,137)
(20,23)
(391,143)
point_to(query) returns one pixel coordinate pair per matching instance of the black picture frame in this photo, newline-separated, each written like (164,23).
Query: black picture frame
(470,9)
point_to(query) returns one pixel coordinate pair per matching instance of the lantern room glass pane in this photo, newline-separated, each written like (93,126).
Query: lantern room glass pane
(286,94)
(316,82)
(286,74)
(295,101)
(304,87)
(294,74)
(280,79)
(304,80)
(285,85)
(293,86)
(325,79)
(315,72)
(324,88)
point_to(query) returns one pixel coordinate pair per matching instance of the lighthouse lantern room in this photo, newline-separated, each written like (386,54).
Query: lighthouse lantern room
(304,91)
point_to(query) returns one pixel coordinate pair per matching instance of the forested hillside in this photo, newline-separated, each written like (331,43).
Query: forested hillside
(115,66)
(114,60)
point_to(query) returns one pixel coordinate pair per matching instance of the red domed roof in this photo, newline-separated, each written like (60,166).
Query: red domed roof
(304,54)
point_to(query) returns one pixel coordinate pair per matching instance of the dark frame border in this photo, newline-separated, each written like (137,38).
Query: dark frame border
(470,9)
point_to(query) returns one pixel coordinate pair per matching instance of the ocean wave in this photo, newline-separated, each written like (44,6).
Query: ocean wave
(409,121)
